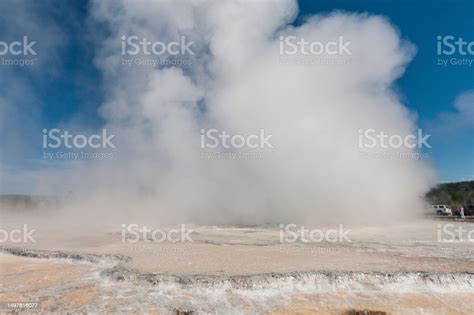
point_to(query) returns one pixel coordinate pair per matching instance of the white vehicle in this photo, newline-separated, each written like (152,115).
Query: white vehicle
(442,209)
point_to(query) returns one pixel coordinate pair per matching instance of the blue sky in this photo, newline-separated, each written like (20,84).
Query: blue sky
(67,82)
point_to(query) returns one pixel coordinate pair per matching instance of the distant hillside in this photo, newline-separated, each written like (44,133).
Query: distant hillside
(27,201)
(452,194)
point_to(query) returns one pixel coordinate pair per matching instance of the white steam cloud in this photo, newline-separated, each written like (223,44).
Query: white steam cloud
(237,82)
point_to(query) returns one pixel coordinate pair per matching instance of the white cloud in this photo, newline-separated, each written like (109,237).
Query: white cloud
(458,121)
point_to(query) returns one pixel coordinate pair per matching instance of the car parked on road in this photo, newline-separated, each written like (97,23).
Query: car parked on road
(442,209)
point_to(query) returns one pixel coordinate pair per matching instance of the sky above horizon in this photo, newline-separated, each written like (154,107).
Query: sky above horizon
(66,85)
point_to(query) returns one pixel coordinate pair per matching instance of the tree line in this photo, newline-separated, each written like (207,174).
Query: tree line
(452,194)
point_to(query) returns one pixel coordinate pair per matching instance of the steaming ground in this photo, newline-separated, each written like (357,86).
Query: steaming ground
(228,250)
(397,268)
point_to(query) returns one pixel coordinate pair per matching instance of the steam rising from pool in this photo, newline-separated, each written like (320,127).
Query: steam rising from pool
(239,82)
